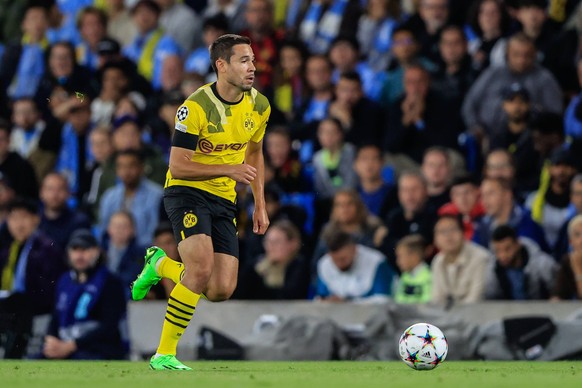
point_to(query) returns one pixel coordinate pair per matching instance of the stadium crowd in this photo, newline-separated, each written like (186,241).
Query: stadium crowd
(417,150)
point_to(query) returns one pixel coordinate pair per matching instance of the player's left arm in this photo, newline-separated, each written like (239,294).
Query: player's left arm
(254,157)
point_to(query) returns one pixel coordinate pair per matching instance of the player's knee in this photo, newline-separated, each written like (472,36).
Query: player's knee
(219,294)
(200,273)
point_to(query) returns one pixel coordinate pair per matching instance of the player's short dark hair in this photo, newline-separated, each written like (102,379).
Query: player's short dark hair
(352,76)
(502,232)
(137,154)
(456,218)
(336,239)
(22,203)
(221,48)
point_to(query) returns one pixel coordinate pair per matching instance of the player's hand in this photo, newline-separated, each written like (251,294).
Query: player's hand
(243,173)
(260,220)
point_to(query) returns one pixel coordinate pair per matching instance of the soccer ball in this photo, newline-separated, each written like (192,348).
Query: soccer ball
(423,346)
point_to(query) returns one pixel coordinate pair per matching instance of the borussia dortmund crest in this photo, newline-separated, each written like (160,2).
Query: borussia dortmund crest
(249,122)
(190,220)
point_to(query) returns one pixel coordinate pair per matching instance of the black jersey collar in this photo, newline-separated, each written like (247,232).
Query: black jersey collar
(213,87)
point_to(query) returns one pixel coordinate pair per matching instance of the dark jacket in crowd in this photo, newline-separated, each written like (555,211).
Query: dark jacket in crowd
(21,175)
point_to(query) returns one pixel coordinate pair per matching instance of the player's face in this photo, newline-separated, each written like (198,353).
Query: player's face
(240,72)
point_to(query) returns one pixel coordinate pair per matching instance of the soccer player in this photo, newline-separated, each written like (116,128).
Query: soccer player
(218,142)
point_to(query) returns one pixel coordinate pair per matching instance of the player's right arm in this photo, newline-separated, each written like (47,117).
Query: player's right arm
(182,167)
(188,126)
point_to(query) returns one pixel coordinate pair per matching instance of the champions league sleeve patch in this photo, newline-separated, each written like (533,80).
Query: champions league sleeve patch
(182,113)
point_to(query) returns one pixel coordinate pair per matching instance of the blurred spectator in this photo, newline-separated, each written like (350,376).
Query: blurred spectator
(352,272)
(63,71)
(114,85)
(501,209)
(458,270)
(290,85)
(549,205)
(437,171)
(344,54)
(127,135)
(30,262)
(548,135)
(318,75)
(361,118)
(28,127)
(426,25)
(89,317)
(181,23)
(92,25)
(16,169)
(374,191)
(23,63)
(62,21)
(349,214)
(456,73)
(481,108)
(325,20)
(278,152)
(516,136)
(489,22)
(164,238)
(281,273)
(404,52)
(415,281)
(232,9)
(151,46)
(198,61)
(499,163)
(573,114)
(375,30)
(575,208)
(57,221)
(413,216)
(334,162)
(521,271)
(532,18)
(7,195)
(420,119)
(102,149)
(124,257)
(265,42)
(75,155)
(568,284)
(465,204)
(162,126)
(119,25)
(135,194)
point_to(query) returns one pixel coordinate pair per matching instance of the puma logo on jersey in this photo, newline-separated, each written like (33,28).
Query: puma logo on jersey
(215,128)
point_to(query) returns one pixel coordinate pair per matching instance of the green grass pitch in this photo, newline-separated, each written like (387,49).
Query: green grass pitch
(55,374)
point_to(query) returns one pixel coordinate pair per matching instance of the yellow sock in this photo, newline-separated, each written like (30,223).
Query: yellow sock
(181,306)
(171,269)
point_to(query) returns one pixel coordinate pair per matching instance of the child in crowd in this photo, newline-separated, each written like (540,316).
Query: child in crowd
(415,281)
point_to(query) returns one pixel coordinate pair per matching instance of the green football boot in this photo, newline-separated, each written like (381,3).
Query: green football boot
(167,362)
(148,276)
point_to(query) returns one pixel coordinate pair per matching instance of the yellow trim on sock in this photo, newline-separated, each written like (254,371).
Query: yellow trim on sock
(181,306)
(171,269)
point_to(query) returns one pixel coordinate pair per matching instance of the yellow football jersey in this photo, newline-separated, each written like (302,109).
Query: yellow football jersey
(219,133)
